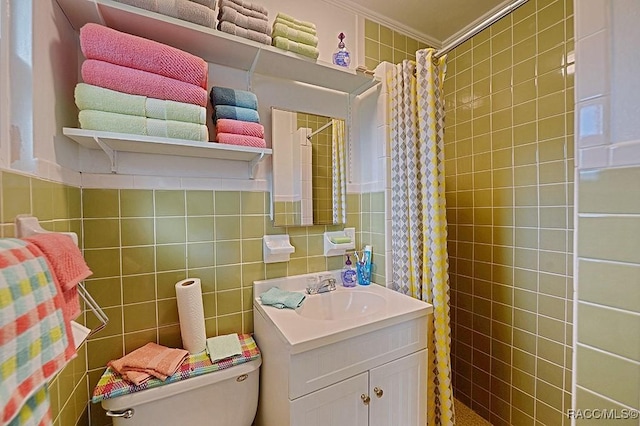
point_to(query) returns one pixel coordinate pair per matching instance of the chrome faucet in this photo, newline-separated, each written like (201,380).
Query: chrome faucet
(322,285)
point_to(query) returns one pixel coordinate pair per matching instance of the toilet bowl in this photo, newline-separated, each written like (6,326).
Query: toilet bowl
(226,397)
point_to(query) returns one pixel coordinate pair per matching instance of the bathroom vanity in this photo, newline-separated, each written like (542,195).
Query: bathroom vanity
(353,356)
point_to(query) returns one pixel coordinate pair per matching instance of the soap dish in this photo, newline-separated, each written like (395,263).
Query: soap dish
(276,248)
(338,242)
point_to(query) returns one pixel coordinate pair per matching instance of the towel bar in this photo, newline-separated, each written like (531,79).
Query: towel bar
(26,226)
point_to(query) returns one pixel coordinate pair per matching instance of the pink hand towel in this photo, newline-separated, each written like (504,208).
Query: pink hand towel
(149,360)
(67,264)
(109,45)
(237,127)
(230,138)
(136,82)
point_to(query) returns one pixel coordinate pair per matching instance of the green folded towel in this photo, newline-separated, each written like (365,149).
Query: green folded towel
(281,298)
(295,26)
(90,97)
(309,26)
(221,347)
(299,48)
(136,125)
(283,30)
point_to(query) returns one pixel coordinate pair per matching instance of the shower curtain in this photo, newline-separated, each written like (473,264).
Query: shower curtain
(418,219)
(338,153)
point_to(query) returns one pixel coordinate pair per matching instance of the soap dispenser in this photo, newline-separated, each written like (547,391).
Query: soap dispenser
(349,276)
(341,56)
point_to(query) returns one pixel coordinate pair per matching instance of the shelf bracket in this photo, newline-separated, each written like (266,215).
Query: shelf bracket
(251,70)
(253,163)
(113,155)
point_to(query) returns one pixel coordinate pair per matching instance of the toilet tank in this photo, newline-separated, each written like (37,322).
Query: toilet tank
(226,397)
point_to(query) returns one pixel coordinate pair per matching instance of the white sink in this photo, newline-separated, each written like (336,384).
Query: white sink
(338,305)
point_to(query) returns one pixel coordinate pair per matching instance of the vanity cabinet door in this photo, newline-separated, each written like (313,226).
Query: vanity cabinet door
(398,392)
(336,405)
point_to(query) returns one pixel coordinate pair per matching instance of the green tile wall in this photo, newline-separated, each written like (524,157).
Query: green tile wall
(372,231)
(58,208)
(384,44)
(509,184)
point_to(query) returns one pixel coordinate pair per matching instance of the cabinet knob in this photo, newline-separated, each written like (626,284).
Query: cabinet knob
(365,399)
(378,392)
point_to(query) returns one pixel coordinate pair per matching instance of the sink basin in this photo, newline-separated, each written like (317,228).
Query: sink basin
(340,305)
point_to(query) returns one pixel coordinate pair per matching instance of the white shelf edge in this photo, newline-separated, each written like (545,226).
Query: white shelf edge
(121,142)
(207,43)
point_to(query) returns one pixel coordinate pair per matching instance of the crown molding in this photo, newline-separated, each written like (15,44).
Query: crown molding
(475,23)
(388,22)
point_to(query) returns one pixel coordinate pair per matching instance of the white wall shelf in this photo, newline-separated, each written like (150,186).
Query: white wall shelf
(112,143)
(216,46)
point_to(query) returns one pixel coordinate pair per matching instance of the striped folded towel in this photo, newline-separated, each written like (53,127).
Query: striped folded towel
(136,125)
(36,340)
(97,98)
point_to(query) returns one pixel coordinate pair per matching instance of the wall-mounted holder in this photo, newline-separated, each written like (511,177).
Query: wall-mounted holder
(26,226)
(338,242)
(276,248)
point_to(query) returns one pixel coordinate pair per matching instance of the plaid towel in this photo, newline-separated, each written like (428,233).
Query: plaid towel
(112,385)
(33,334)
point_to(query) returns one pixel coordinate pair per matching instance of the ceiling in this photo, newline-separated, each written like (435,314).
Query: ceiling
(433,21)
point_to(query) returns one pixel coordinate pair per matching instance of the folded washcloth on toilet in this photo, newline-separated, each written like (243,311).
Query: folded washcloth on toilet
(221,347)
(281,298)
(151,360)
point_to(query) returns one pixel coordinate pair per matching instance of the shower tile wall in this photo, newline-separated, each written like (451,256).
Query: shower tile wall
(509,183)
(58,208)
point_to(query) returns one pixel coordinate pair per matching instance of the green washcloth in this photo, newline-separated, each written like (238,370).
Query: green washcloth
(299,48)
(96,98)
(221,347)
(283,30)
(136,125)
(295,26)
(340,240)
(310,26)
(281,298)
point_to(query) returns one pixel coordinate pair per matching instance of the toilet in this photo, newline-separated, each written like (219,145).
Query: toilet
(227,397)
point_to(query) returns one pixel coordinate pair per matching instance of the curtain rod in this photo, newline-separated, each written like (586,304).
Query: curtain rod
(320,129)
(481,26)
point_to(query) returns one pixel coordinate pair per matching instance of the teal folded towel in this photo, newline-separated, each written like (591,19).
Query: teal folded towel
(221,347)
(299,48)
(281,298)
(233,97)
(235,113)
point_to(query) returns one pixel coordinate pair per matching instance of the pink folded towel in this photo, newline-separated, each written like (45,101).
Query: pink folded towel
(237,127)
(137,82)
(67,264)
(230,138)
(150,360)
(106,44)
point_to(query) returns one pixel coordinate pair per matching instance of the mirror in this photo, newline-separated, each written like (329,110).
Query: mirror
(309,169)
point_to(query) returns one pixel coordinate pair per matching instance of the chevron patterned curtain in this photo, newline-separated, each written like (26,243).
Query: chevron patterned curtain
(419,226)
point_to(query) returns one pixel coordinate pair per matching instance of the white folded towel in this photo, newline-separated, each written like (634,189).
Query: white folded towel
(221,347)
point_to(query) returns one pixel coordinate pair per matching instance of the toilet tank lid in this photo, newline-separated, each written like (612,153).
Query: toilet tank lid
(112,385)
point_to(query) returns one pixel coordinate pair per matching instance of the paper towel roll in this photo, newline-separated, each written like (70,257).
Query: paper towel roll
(191,314)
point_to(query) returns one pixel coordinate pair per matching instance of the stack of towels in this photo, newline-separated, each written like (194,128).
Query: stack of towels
(296,36)
(244,19)
(235,115)
(151,360)
(138,86)
(199,12)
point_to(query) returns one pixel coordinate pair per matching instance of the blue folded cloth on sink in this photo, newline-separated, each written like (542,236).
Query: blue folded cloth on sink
(281,298)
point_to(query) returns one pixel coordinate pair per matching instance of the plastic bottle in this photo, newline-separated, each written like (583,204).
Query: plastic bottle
(342,56)
(349,277)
